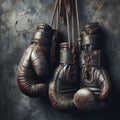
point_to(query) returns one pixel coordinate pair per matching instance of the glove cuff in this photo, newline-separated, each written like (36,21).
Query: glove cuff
(65,54)
(43,35)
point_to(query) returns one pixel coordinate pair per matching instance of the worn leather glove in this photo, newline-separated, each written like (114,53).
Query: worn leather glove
(94,82)
(64,83)
(33,69)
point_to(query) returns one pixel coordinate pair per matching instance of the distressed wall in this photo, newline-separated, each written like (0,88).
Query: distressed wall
(17,20)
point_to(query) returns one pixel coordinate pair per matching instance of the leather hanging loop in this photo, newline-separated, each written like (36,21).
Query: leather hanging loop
(55,49)
(78,22)
(62,11)
(68,23)
(68,7)
(54,12)
(64,8)
(73,35)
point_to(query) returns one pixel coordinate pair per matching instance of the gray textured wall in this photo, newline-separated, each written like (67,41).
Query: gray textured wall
(17,20)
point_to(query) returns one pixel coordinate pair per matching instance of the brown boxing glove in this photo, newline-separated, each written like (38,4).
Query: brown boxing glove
(64,83)
(94,85)
(33,69)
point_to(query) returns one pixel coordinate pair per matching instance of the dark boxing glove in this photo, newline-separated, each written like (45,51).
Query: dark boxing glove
(95,83)
(64,83)
(33,69)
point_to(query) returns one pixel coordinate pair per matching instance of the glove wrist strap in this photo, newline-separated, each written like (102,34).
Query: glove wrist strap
(95,58)
(66,56)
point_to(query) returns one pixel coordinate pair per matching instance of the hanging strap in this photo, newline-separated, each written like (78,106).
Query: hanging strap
(73,32)
(68,7)
(68,23)
(63,9)
(57,17)
(78,22)
(54,12)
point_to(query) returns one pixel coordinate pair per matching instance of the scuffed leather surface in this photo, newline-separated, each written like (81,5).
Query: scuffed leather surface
(33,70)
(95,83)
(64,84)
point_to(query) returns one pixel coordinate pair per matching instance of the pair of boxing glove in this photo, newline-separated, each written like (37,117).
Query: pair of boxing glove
(85,87)
(35,69)
(38,62)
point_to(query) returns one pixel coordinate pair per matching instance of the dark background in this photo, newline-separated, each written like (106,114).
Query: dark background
(17,20)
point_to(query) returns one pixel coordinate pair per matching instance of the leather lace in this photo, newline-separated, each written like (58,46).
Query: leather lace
(87,73)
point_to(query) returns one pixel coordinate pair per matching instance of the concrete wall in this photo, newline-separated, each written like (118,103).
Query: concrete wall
(17,20)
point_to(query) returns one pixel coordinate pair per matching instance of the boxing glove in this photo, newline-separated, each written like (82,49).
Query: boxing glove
(64,83)
(33,69)
(94,85)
